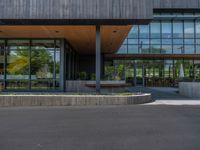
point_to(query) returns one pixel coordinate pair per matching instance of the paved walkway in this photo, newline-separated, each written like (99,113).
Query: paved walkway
(167,96)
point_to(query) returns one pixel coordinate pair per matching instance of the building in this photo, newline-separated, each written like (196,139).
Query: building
(44,43)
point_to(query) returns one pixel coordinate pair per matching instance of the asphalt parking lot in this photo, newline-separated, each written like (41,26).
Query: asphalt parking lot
(140,127)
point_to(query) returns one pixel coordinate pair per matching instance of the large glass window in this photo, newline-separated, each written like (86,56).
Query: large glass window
(42,64)
(18,60)
(189,29)
(2,61)
(166,49)
(177,29)
(123,49)
(189,49)
(133,49)
(144,31)
(197,29)
(170,36)
(30,64)
(134,32)
(166,29)
(155,29)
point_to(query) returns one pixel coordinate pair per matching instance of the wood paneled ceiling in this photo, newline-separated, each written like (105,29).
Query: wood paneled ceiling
(82,38)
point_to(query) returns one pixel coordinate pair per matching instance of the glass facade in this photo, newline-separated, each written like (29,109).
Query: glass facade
(166,34)
(30,64)
(157,72)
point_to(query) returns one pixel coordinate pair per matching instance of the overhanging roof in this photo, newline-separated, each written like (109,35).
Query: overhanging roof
(82,38)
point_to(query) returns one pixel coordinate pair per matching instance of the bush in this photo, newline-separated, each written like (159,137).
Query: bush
(82,75)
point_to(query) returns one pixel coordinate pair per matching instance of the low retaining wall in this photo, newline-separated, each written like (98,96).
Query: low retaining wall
(79,86)
(72,100)
(190,89)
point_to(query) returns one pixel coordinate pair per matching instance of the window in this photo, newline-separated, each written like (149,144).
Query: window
(18,60)
(166,29)
(177,29)
(155,29)
(132,41)
(178,49)
(144,31)
(42,64)
(134,32)
(30,64)
(2,61)
(189,29)
(155,49)
(198,29)
(123,50)
(133,49)
(166,49)
(189,49)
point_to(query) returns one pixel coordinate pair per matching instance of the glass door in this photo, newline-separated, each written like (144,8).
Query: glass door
(139,74)
(2,65)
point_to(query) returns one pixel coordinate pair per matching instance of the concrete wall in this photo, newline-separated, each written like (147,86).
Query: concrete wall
(72,100)
(190,89)
(79,86)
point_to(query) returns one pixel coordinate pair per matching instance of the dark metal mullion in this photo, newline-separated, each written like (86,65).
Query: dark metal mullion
(195,43)
(54,68)
(172,36)
(5,60)
(183,50)
(30,57)
(138,33)
(149,38)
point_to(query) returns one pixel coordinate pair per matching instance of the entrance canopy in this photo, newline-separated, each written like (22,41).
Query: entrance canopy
(81,38)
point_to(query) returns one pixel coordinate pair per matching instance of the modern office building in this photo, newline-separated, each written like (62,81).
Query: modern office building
(44,43)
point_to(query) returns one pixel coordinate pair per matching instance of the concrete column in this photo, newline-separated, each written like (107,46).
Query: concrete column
(98,60)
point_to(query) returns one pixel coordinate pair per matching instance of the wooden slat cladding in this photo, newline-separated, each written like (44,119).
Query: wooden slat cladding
(105,10)
(82,38)
(176,4)
(75,9)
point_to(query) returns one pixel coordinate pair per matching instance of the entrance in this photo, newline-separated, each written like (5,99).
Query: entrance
(139,75)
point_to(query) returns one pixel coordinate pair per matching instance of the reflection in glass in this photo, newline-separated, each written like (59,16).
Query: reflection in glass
(155,49)
(155,29)
(166,49)
(189,49)
(123,50)
(17,85)
(42,63)
(166,29)
(2,59)
(178,49)
(17,59)
(177,29)
(198,29)
(144,31)
(133,49)
(134,32)
(189,29)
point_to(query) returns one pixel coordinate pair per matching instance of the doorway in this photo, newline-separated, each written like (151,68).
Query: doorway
(139,75)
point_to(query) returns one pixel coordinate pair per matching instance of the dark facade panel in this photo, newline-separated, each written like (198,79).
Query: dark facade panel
(176,4)
(88,9)
(75,9)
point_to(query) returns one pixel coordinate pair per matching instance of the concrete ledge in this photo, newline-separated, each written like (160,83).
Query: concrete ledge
(190,89)
(72,100)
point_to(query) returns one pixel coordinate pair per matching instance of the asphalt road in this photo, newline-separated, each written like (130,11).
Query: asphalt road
(101,128)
